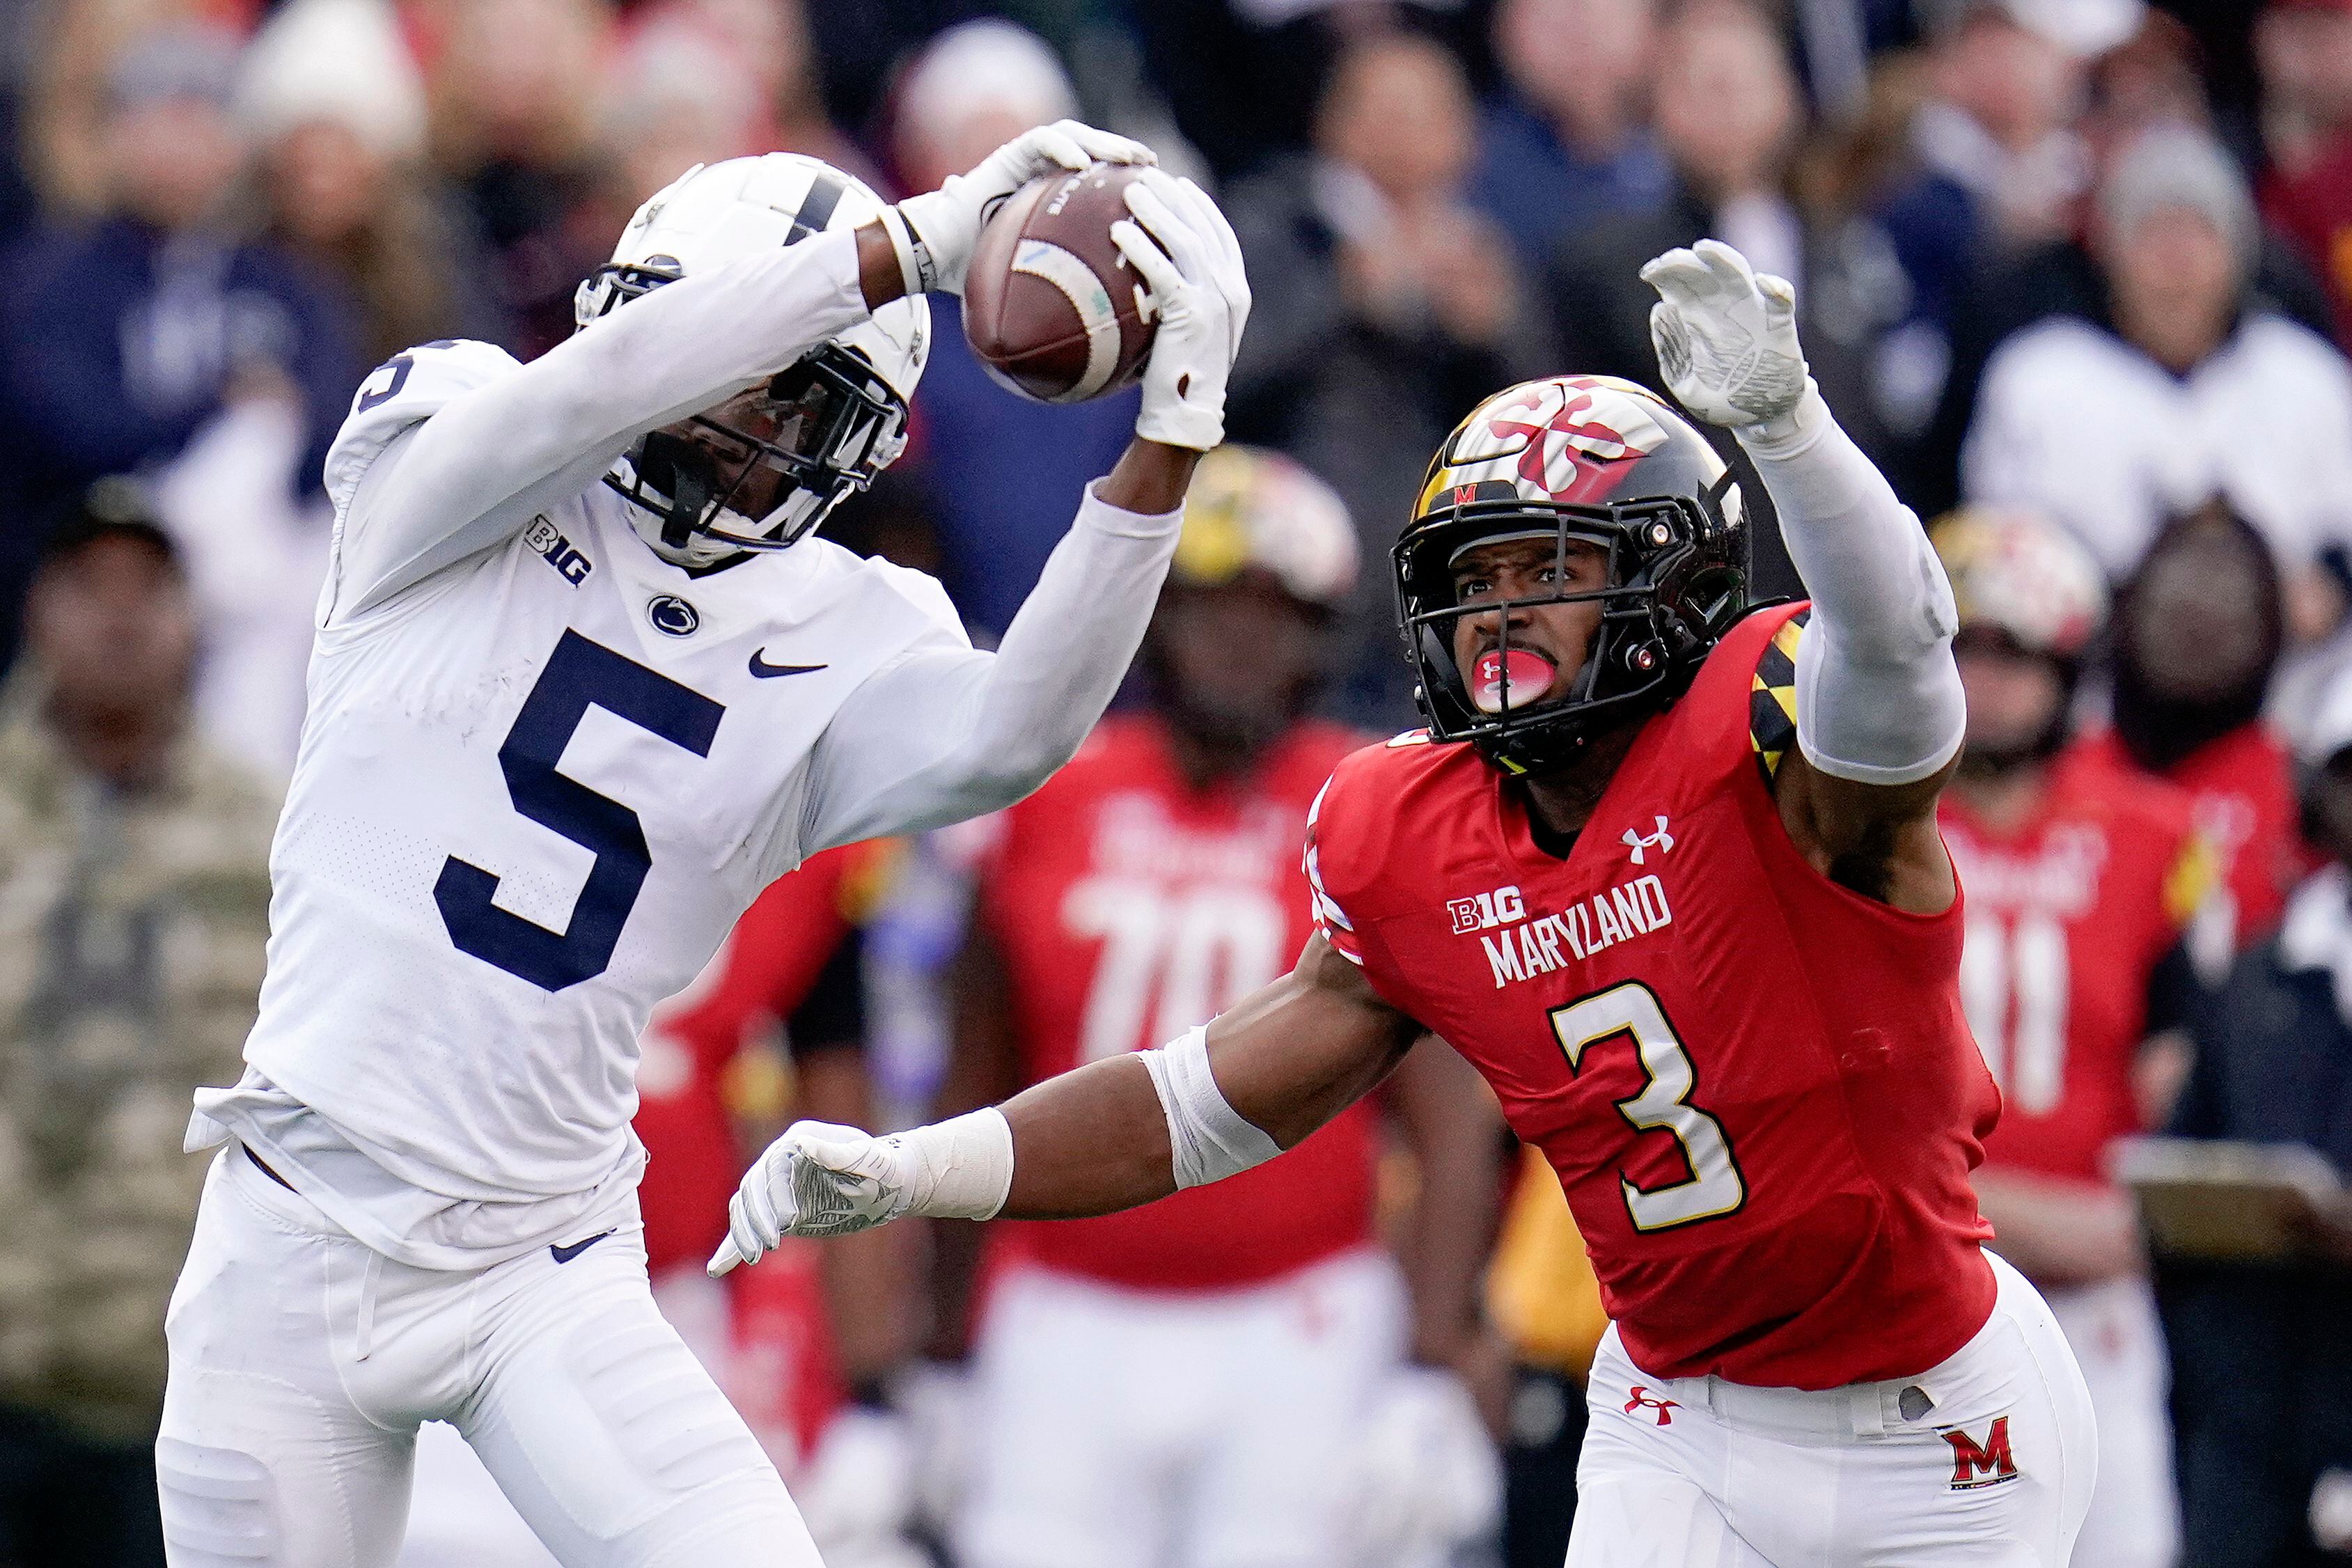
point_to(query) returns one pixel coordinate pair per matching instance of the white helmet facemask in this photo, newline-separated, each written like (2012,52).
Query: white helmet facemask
(761,469)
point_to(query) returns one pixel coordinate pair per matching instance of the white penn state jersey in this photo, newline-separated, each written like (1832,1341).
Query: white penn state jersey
(533,793)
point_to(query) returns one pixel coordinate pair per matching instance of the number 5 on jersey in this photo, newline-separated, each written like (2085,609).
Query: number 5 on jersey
(1631,1011)
(581,675)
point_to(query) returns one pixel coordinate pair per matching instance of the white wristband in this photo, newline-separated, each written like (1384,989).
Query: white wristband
(1211,1140)
(918,270)
(962,1168)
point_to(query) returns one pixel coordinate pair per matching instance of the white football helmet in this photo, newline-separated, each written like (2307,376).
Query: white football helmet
(764,467)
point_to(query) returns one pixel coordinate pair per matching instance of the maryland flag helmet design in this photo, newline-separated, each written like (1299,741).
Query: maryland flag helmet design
(1584,457)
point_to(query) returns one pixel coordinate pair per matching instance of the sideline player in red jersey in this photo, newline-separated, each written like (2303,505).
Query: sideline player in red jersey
(1669,876)
(1184,1383)
(2081,883)
(2200,630)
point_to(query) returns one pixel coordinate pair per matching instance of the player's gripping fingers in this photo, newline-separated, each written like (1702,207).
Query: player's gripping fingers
(1053,145)
(1780,302)
(1161,220)
(1102,146)
(1162,282)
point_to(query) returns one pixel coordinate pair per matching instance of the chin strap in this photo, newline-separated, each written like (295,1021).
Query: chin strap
(676,470)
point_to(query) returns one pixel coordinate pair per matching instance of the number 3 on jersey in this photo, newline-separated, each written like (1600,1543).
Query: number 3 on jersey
(1631,1011)
(581,675)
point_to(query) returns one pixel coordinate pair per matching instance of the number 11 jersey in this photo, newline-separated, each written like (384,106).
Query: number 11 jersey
(1756,1086)
(533,793)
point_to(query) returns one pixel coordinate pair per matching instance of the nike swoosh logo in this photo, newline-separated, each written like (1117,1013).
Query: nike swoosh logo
(763,670)
(566,1254)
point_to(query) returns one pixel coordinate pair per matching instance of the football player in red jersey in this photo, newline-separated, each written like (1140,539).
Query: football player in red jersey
(1668,875)
(2200,630)
(2076,980)
(1182,1386)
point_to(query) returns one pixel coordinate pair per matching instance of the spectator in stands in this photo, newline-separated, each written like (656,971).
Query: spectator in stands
(2182,391)
(768,41)
(2199,633)
(126,336)
(1988,161)
(1566,138)
(2000,295)
(1245,79)
(2305,51)
(514,91)
(2262,1365)
(1004,472)
(330,93)
(1386,308)
(1729,114)
(676,94)
(134,875)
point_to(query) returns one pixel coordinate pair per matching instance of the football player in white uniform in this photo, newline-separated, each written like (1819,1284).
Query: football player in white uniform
(583,683)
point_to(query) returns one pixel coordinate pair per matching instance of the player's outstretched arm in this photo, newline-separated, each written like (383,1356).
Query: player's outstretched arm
(1109,1136)
(1879,705)
(946,734)
(487,462)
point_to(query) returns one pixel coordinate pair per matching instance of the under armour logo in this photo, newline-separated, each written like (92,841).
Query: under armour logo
(1645,1400)
(1640,843)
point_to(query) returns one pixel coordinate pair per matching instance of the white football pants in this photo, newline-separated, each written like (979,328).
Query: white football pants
(302,1364)
(1989,1464)
(1116,1428)
(2119,1340)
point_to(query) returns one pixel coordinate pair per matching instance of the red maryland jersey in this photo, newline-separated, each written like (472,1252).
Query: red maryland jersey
(2243,787)
(1129,907)
(2069,915)
(1757,1087)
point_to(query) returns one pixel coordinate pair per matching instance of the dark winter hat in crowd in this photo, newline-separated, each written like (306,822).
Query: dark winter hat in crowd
(182,60)
(2179,166)
(114,508)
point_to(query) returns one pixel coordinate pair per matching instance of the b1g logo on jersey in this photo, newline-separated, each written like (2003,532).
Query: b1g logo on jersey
(1486,911)
(544,540)
(1987,1464)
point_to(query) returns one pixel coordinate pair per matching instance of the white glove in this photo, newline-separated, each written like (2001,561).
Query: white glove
(1194,283)
(946,222)
(1727,337)
(1428,1481)
(823,1180)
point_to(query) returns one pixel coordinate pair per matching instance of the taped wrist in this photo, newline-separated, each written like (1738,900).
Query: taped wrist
(1209,1138)
(918,270)
(961,1168)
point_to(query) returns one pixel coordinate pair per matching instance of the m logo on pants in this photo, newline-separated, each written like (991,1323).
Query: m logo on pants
(1986,1464)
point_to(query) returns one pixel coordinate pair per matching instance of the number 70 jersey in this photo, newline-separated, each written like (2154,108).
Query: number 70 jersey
(1757,1087)
(533,793)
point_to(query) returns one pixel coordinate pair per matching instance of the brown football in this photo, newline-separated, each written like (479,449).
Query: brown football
(1049,304)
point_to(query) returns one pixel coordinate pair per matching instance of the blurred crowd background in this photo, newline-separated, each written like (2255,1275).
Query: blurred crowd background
(2080,266)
